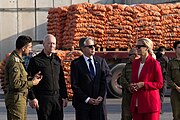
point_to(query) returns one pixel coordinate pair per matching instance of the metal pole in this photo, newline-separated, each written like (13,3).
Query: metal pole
(35,21)
(53,3)
(17,6)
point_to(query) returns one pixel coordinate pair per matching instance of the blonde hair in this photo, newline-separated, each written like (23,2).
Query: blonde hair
(149,44)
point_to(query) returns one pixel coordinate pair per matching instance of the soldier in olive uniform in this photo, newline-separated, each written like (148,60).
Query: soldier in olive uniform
(163,60)
(16,82)
(173,78)
(125,81)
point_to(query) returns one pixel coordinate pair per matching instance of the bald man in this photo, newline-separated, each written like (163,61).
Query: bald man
(50,96)
(125,81)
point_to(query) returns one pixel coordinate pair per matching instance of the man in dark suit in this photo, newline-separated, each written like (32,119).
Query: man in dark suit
(89,76)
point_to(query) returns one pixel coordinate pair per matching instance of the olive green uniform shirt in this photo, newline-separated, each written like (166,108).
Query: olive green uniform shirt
(16,75)
(125,81)
(173,77)
(16,85)
(173,74)
(125,78)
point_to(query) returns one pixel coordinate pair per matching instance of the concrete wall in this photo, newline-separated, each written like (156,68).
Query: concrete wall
(130,2)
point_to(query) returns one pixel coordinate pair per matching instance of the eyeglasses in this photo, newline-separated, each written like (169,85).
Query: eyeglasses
(139,46)
(90,46)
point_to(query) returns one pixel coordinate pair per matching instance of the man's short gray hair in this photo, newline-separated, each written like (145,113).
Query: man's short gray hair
(46,37)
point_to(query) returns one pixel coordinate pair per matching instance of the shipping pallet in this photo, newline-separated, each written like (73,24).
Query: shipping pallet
(111,49)
(100,49)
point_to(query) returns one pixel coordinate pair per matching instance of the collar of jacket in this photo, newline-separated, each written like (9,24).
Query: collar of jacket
(16,55)
(43,54)
(148,59)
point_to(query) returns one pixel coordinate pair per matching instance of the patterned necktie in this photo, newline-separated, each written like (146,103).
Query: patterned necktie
(91,68)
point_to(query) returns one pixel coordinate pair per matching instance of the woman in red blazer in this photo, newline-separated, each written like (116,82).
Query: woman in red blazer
(147,79)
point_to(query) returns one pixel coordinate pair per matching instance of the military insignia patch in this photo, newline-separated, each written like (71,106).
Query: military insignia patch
(15,69)
(16,59)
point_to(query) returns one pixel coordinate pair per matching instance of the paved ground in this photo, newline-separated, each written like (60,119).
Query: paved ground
(113,107)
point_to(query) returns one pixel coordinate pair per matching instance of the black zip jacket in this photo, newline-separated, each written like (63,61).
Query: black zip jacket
(53,80)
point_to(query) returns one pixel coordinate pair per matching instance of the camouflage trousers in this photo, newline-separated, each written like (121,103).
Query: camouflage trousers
(16,105)
(126,101)
(175,103)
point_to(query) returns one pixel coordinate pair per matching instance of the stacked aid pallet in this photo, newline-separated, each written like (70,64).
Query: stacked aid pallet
(84,20)
(170,15)
(2,72)
(115,25)
(119,26)
(147,23)
(56,23)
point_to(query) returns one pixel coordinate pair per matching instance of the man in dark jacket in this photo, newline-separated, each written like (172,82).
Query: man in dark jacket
(173,75)
(89,75)
(50,96)
(163,60)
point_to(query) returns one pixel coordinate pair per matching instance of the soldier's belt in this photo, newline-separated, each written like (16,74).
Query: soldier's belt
(18,93)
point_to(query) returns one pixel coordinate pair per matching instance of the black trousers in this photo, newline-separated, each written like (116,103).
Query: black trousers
(93,113)
(50,108)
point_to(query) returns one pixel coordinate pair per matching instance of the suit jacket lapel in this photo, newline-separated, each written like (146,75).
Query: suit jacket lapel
(97,66)
(84,65)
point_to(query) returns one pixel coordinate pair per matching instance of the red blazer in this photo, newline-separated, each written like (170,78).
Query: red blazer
(148,96)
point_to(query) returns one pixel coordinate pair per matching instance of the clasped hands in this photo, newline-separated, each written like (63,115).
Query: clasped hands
(96,101)
(136,86)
